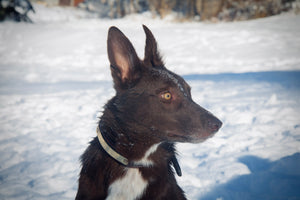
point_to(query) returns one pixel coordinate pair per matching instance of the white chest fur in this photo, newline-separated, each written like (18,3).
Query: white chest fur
(132,185)
(145,161)
(129,187)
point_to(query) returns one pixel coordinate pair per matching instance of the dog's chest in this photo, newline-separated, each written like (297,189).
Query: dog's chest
(132,185)
(129,187)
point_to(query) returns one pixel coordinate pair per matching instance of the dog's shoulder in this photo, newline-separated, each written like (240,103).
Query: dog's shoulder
(97,173)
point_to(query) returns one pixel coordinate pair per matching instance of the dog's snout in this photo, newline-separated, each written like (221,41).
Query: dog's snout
(214,124)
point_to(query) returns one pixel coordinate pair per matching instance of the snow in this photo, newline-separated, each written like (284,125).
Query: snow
(55,79)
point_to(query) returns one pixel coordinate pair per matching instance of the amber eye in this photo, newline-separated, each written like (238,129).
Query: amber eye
(167,96)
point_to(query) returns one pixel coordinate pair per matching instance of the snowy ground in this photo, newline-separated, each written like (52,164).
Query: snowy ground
(55,79)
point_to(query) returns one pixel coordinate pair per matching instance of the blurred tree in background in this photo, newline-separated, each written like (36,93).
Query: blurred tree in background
(226,10)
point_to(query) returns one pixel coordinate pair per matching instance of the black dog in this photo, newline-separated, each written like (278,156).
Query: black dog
(132,156)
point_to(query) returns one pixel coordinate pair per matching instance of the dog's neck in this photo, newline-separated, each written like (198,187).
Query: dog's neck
(110,151)
(166,152)
(126,149)
(143,162)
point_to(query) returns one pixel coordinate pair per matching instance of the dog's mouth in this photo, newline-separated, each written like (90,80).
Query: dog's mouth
(195,131)
(191,138)
(178,137)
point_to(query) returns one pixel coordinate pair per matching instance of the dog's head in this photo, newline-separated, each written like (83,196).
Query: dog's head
(152,99)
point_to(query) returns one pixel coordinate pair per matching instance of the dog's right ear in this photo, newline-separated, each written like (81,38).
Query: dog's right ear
(152,55)
(123,59)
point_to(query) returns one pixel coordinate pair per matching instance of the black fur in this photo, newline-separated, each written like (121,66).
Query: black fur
(139,116)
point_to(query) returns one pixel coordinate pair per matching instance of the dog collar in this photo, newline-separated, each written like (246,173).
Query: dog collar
(124,161)
(121,159)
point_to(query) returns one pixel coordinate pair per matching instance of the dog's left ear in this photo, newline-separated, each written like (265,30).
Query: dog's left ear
(124,62)
(152,56)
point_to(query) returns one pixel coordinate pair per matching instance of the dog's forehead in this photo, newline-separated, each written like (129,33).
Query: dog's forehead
(169,76)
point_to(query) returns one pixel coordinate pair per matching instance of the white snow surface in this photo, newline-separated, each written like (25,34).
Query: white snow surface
(55,79)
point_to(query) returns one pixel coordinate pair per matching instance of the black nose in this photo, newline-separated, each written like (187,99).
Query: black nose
(214,124)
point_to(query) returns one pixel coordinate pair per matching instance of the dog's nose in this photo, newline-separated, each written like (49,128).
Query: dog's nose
(214,124)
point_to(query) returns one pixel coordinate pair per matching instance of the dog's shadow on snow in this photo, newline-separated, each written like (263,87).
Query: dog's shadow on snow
(268,181)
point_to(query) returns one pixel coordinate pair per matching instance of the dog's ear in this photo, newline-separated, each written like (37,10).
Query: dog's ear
(152,56)
(123,59)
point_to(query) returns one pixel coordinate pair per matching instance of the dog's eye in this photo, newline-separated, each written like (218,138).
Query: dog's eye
(167,96)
